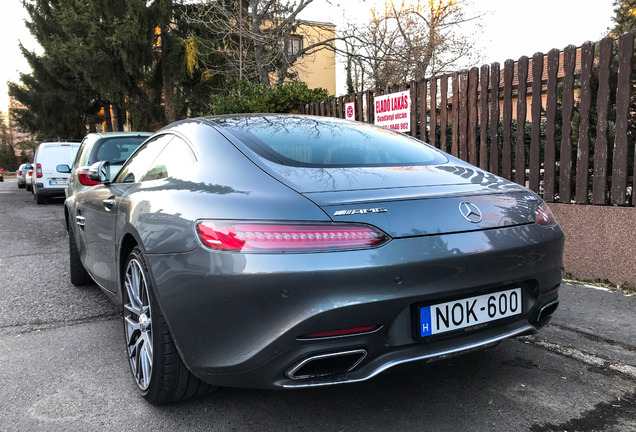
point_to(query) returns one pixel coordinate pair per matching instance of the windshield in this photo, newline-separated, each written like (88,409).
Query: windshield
(320,142)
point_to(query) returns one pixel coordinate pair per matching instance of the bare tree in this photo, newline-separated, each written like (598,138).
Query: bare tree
(254,38)
(412,40)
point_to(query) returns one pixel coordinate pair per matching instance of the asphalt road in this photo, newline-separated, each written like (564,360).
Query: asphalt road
(63,365)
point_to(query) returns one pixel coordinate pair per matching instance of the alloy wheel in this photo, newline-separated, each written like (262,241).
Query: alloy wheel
(138,324)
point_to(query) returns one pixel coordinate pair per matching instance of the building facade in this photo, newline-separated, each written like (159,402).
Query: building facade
(317,66)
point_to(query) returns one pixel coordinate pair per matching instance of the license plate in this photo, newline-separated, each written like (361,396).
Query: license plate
(468,312)
(58,182)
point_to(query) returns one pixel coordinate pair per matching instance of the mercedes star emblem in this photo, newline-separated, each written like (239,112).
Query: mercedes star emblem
(470,212)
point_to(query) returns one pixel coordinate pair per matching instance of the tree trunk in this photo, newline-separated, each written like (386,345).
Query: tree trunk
(168,91)
(169,105)
(116,117)
(263,75)
(107,119)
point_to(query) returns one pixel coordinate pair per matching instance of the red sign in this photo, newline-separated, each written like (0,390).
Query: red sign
(350,110)
(393,111)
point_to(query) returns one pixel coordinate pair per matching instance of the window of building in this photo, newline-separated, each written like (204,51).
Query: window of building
(294,45)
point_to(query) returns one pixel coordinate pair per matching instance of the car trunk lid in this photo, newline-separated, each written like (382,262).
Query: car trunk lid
(414,201)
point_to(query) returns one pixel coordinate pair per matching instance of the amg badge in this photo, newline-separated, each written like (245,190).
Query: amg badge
(359,211)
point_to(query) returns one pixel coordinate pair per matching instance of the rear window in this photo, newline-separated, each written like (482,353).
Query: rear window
(55,154)
(115,150)
(323,142)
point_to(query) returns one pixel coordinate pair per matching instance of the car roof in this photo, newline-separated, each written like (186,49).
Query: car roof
(52,143)
(118,134)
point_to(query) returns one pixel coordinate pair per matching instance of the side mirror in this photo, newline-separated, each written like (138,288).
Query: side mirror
(100,172)
(63,168)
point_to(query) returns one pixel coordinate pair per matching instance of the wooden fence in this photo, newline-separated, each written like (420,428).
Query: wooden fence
(576,108)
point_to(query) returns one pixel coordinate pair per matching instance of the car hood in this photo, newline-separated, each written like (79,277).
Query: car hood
(413,201)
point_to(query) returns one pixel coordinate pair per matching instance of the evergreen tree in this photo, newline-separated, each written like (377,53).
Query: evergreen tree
(110,45)
(8,161)
(124,55)
(625,17)
(127,56)
(58,102)
(184,85)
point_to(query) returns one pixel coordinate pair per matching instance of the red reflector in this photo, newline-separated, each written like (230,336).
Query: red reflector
(547,290)
(38,170)
(341,332)
(82,176)
(283,237)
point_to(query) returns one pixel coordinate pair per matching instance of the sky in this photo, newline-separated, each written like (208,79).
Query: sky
(511,28)
(12,30)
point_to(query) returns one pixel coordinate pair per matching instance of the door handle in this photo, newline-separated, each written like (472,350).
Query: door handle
(108,204)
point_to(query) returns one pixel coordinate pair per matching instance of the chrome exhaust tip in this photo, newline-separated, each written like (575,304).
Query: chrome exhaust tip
(326,364)
(547,310)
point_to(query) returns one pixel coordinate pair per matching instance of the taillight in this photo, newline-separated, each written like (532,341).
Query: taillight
(30,173)
(288,237)
(38,170)
(543,215)
(82,176)
(19,172)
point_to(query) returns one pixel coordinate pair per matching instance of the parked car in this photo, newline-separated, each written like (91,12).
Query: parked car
(21,174)
(114,147)
(284,251)
(1,176)
(28,179)
(49,182)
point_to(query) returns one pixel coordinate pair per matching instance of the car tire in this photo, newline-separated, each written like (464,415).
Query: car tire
(20,186)
(79,275)
(38,198)
(28,188)
(156,366)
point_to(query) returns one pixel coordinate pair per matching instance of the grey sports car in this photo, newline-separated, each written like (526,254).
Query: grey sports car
(285,251)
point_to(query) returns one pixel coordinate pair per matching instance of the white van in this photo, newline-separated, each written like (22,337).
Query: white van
(47,180)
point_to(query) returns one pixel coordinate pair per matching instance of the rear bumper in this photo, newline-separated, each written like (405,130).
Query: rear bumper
(387,359)
(238,319)
(49,192)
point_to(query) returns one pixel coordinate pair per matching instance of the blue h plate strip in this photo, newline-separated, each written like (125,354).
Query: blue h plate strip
(425,321)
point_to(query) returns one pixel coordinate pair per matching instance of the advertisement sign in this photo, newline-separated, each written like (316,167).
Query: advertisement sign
(350,110)
(393,111)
